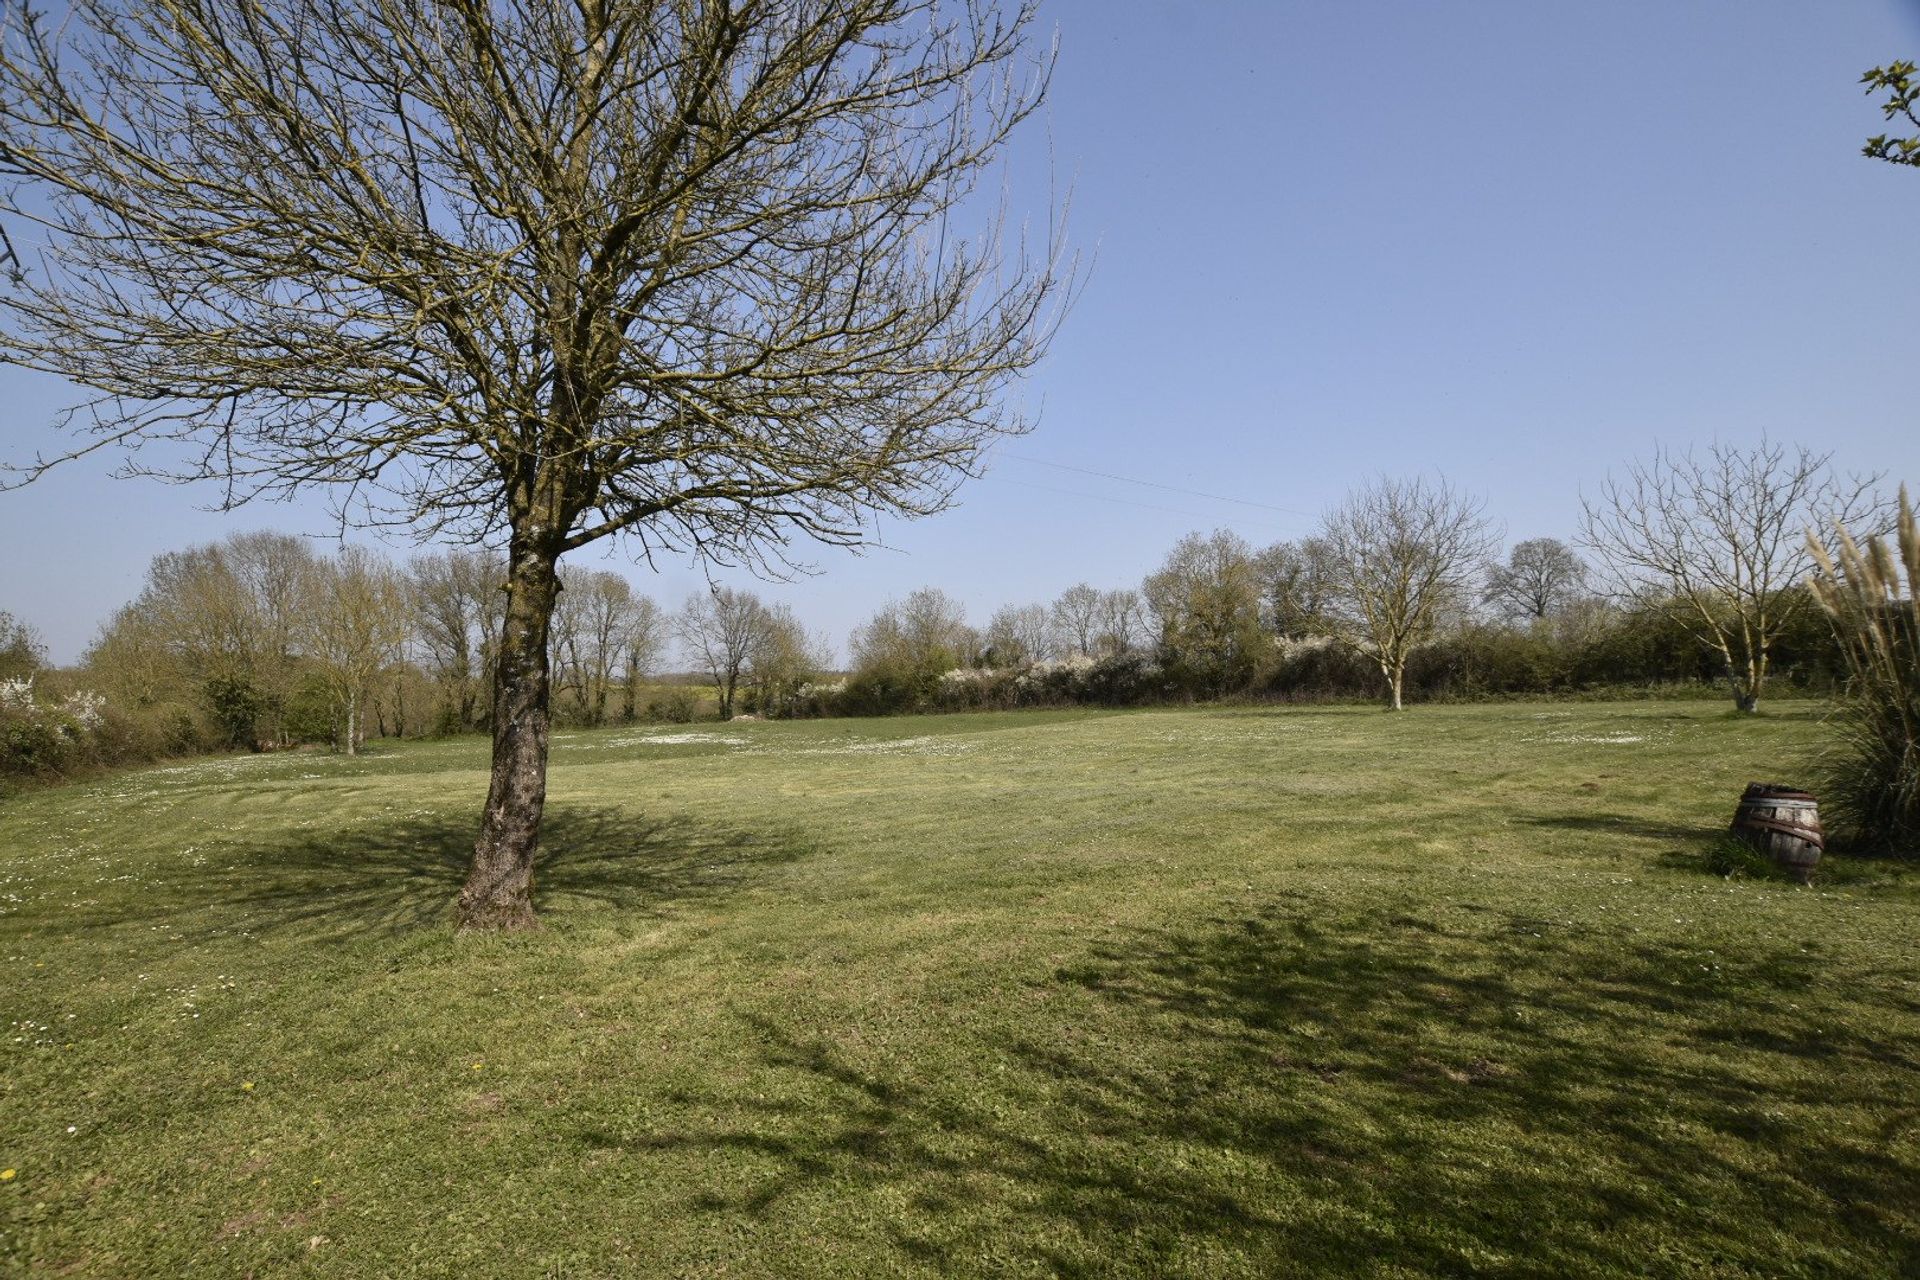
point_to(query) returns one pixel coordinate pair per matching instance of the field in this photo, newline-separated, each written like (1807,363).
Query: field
(1170,993)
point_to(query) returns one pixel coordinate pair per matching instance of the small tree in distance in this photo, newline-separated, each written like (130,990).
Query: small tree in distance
(354,630)
(1541,577)
(1399,555)
(1075,620)
(720,631)
(534,274)
(21,651)
(1718,544)
(1019,634)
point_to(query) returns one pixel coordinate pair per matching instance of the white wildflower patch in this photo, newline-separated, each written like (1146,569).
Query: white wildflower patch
(1569,738)
(676,740)
(927,745)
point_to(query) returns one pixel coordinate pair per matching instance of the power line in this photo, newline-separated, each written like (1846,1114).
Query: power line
(1153,484)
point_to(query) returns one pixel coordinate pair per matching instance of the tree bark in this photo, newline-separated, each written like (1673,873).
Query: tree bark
(1396,679)
(499,888)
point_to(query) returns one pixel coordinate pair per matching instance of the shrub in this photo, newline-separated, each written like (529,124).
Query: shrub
(675,706)
(1871,594)
(41,738)
(236,706)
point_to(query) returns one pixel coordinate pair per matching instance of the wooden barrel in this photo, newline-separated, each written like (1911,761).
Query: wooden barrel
(1782,823)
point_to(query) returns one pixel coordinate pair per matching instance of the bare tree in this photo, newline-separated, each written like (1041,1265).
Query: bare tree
(1122,625)
(719,631)
(640,643)
(537,274)
(1019,634)
(457,601)
(1401,555)
(1719,544)
(1541,577)
(1076,620)
(591,625)
(354,629)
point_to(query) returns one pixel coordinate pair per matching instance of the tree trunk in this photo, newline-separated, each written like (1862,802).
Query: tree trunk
(353,728)
(1396,679)
(499,888)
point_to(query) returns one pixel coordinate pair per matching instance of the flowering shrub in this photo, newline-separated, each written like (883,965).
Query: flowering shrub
(1125,680)
(42,738)
(16,694)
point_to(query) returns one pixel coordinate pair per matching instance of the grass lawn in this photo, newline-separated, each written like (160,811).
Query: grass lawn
(1168,993)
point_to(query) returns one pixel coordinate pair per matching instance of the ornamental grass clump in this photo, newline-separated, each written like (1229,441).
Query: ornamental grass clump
(1869,593)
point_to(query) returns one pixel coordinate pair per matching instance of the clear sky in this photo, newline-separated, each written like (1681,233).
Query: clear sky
(1514,242)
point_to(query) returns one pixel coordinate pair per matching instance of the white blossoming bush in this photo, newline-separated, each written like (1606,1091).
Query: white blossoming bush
(41,737)
(17,694)
(1113,681)
(86,709)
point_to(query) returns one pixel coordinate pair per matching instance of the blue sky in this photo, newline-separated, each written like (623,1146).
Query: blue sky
(1514,242)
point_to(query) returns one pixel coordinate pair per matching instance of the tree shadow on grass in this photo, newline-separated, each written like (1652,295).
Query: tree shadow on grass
(1379,1094)
(403,874)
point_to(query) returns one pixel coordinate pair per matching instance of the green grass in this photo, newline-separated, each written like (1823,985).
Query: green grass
(1169,993)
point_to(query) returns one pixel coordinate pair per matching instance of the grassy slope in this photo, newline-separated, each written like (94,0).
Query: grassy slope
(1162,994)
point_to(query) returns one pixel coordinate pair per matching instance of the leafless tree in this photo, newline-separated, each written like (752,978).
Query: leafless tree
(1541,577)
(1718,543)
(457,599)
(1076,620)
(1401,555)
(592,625)
(644,635)
(1019,634)
(1122,625)
(719,631)
(354,627)
(537,274)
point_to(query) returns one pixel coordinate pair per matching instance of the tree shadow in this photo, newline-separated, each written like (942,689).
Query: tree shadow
(403,874)
(1384,1094)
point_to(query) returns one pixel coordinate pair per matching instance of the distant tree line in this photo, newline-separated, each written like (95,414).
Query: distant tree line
(263,642)
(1698,577)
